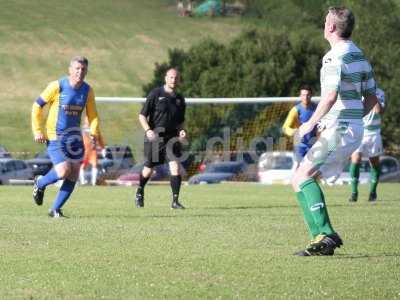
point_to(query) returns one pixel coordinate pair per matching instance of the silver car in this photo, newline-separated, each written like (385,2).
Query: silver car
(14,169)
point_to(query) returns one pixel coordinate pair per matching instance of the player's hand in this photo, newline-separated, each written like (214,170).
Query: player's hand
(40,138)
(182,135)
(103,152)
(151,135)
(305,128)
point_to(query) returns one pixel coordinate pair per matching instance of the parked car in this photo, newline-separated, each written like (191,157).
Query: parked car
(249,158)
(131,177)
(40,164)
(390,171)
(4,153)
(117,160)
(276,167)
(14,169)
(220,171)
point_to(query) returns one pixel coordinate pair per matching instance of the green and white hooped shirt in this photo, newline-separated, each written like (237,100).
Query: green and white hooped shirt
(346,70)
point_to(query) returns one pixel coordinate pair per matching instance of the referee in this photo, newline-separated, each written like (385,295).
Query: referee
(162,118)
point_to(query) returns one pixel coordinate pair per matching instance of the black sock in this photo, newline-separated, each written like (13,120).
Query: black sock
(142,182)
(175,186)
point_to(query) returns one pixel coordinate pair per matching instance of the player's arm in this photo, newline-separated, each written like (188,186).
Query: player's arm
(182,134)
(47,96)
(322,109)
(380,106)
(332,70)
(147,109)
(371,102)
(291,123)
(93,118)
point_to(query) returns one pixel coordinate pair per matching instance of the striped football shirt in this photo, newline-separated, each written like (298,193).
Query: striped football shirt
(346,70)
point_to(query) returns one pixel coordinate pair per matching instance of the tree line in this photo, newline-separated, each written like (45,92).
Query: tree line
(273,57)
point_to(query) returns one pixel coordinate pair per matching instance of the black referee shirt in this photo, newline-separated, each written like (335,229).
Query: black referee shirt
(164,111)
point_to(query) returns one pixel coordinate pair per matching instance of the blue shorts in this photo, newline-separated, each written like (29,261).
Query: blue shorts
(300,151)
(66,149)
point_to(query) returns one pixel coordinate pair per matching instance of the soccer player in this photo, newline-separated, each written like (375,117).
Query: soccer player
(346,77)
(298,115)
(371,147)
(90,156)
(162,118)
(67,98)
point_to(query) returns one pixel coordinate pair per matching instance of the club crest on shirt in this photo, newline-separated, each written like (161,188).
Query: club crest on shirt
(178,101)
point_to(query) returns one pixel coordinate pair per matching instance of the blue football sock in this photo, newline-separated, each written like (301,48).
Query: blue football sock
(47,179)
(64,193)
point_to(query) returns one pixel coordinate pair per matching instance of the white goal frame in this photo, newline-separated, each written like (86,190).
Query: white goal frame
(208,100)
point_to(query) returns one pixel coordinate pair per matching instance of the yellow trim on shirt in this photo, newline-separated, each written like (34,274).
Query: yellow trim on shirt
(51,96)
(291,123)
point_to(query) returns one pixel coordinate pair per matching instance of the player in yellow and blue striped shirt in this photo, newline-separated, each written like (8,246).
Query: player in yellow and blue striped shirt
(67,98)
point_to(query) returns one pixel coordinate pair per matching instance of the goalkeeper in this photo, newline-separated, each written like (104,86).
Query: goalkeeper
(298,115)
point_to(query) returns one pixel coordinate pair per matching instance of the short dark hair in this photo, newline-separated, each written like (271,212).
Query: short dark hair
(306,87)
(343,19)
(80,59)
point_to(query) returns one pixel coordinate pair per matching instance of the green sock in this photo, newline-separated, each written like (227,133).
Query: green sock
(355,175)
(374,177)
(316,206)
(308,218)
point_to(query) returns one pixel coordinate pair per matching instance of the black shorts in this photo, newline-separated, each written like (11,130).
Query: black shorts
(161,150)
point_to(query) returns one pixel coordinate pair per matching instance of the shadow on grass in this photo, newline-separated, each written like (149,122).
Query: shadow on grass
(248,207)
(149,216)
(366,255)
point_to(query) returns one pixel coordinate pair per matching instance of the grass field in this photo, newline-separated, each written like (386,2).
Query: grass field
(123,40)
(234,241)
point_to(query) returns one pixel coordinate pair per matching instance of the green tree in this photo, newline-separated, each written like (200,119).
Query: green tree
(377,33)
(260,62)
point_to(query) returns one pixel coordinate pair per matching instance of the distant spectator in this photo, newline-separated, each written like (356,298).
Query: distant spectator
(181,8)
(185,11)
(189,8)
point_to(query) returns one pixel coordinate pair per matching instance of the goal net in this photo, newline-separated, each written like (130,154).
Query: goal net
(220,129)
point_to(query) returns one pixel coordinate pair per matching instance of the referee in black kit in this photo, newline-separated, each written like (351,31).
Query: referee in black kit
(162,118)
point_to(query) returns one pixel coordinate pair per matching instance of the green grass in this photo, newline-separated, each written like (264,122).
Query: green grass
(233,241)
(123,40)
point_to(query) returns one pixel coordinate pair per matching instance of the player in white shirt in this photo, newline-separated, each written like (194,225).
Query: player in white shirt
(346,77)
(371,147)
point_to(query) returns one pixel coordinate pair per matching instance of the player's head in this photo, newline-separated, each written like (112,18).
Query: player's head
(305,94)
(340,22)
(172,78)
(77,70)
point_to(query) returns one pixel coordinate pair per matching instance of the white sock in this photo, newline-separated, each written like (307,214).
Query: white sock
(94,176)
(82,176)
